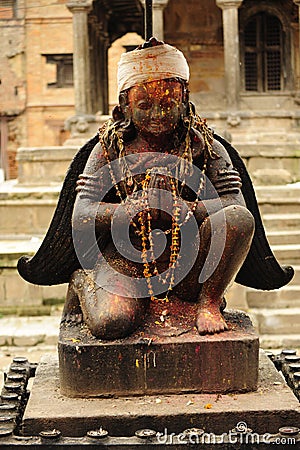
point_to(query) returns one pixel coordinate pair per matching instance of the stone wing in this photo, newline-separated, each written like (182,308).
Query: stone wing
(56,259)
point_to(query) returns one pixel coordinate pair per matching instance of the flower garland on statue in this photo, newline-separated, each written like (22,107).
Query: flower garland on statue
(143,227)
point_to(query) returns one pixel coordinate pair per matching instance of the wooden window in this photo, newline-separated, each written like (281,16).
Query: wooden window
(64,70)
(263,43)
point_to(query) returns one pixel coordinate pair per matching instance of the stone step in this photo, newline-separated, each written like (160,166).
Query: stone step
(287,237)
(26,209)
(276,321)
(279,341)
(296,278)
(270,163)
(37,164)
(269,150)
(286,297)
(16,295)
(278,134)
(280,205)
(13,190)
(29,216)
(278,199)
(264,193)
(13,245)
(281,222)
(29,331)
(287,254)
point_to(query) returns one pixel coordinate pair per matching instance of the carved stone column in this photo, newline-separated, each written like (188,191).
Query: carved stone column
(297,100)
(83,123)
(231,51)
(297,2)
(81,60)
(104,44)
(158,17)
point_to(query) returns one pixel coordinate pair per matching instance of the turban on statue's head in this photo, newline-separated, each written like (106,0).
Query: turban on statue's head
(151,64)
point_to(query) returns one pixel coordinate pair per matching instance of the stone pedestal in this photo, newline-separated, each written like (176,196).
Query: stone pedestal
(272,406)
(164,357)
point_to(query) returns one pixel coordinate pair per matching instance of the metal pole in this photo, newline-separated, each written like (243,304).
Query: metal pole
(148,19)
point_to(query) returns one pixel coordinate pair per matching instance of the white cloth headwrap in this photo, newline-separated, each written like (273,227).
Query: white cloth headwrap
(151,64)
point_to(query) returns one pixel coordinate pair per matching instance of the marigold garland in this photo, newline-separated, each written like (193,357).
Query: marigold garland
(143,227)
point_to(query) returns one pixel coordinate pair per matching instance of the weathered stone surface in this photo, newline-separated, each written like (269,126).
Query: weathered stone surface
(271,406)
(29,331)
(236,297)
(31,217)
(43,165)
(287,254)
(281,320)
(284,237)
(279,341)
(282,221)
(17,294)
(267,176)
(28,341)
(280,205)
(5,340)
(160,359)
(280,298)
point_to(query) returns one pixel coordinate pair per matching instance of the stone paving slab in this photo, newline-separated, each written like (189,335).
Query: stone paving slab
(280,341)
(29,331)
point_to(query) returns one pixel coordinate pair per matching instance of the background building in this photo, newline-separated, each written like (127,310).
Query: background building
(243,55)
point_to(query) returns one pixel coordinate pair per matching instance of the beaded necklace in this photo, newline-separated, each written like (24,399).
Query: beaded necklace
(143,227)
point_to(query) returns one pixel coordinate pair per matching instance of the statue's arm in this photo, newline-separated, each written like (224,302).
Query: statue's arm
(224,185)
(91,207)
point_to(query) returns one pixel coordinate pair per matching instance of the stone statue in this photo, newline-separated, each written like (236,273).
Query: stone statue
(154,207)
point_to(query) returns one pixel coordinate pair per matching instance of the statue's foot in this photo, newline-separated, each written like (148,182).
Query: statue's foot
(210,321)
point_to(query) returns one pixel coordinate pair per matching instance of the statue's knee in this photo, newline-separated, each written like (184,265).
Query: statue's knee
(109,316)
(95,326)
(107,325)
(239,220)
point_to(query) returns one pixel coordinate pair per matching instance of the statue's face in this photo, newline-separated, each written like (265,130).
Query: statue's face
(155,107)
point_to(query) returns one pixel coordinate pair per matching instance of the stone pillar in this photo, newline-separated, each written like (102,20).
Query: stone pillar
(297,2)
(231,51)
(102,69)
(158,17)
(83,124)
(81,59)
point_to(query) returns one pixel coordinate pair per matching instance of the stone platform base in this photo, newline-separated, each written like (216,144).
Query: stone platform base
(166,356)
(272,406)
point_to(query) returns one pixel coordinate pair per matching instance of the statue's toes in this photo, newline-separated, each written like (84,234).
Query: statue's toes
(210,323)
